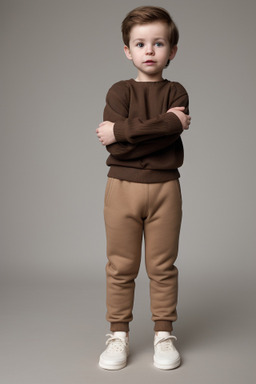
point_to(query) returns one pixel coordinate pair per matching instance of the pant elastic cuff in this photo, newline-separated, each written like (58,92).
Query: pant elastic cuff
(119,327)
(163,325)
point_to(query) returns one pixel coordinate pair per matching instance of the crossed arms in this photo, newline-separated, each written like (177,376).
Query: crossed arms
(129,138)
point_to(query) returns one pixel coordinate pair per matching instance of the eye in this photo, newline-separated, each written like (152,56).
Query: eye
(140,45)
(159,44)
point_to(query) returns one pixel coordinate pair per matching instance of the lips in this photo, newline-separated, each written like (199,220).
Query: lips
(149,62)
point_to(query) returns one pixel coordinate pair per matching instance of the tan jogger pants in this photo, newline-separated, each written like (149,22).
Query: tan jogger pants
(131,210)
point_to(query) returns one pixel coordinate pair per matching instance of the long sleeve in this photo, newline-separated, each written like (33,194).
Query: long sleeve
(127,151)
(137,130)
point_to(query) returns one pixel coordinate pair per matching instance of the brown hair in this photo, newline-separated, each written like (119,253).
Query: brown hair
(145,15)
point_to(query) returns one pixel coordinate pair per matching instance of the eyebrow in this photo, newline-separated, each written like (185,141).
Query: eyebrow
(138,39)
(142,39)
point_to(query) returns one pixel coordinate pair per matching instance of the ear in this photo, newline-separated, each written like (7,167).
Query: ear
(173,52)
(127,52)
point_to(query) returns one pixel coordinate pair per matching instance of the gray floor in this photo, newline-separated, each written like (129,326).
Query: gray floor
(54,334)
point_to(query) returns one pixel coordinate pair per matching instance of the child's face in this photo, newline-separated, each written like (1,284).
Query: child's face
(149,49)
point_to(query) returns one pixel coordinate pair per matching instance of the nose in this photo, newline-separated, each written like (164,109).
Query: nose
(150,50)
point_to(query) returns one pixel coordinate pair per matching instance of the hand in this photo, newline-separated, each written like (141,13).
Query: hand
(184,119)
(105,133)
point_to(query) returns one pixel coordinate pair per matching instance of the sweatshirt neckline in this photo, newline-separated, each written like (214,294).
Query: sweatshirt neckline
(149,82)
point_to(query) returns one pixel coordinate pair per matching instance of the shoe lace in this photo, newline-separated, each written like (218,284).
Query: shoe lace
(115,344)
(166,342)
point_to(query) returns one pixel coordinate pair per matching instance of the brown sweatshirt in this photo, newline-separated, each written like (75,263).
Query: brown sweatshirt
(149,147)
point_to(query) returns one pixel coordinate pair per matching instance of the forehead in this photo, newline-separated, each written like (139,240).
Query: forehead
(156,29)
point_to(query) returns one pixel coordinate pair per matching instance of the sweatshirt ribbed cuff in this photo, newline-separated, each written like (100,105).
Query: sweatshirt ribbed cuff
(119,132)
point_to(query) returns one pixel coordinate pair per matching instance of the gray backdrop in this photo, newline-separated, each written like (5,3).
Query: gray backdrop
(58,59)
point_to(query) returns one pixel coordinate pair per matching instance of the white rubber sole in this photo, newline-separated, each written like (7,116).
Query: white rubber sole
(173,365)
(112,367)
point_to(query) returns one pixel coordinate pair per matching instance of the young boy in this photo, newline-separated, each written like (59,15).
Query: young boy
(143,121)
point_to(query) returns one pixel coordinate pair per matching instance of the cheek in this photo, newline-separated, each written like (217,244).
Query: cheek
(136,58)
(166,54)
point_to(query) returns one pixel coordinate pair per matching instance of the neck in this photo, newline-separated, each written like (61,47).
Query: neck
(142,77)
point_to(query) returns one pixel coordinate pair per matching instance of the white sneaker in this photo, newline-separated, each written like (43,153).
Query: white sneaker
(115,355)
(166,355)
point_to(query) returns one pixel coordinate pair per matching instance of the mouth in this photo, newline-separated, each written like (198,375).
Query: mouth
(149,62)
